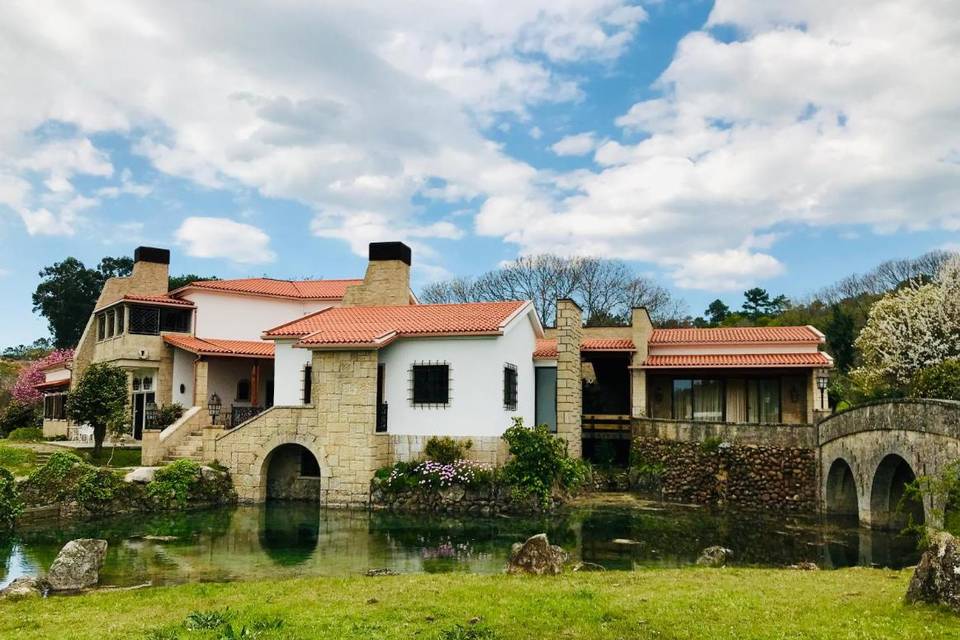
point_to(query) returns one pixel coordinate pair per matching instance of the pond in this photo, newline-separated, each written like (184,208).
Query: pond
(285,539)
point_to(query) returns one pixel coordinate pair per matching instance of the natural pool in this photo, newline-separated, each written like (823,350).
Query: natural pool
(292,539)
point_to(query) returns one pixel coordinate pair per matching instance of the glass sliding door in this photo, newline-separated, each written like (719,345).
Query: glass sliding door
(763,401)
(708,400)
(683,399)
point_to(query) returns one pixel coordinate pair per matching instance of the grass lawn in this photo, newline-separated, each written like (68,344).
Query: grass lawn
(19,460)
(672,603)
(121,457)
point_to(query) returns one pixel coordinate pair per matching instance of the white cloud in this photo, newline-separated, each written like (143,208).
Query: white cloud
(536,132)
(238,242)
(576,145)
(819,114)
(347,107)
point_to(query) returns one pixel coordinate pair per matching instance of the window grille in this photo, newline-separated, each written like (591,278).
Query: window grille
(177,320)
(145,321)
(430,384)
(510,387)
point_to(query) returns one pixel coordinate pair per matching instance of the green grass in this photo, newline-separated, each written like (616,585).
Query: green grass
(673,603)
(121,457)
(19,461)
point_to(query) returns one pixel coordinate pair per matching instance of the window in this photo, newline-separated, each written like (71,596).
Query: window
(177,320)
(110,326)
(145,321)
(431,384)
(307,384)
(101,326)
(309,467)
(510,387)
(763,401)
(243,390)
(55,406)
(545,410)
(698,399)
(121,312)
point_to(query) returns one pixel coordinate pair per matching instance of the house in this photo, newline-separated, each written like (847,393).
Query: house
(304,388)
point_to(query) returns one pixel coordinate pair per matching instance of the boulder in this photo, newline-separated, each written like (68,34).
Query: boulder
(77,566)
(936,579)
(23,587)
(141,475)
(536,556)
(379,573)
(715,556)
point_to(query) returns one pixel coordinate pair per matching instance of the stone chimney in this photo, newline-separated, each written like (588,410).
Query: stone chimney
(642,330)
(387,280)
(569,385)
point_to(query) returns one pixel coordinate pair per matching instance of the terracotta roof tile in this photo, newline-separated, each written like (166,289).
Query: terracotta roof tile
(163,300)
(736,335)
(297,289)
(811,359)
(377,326)
(546,349)
(220,347)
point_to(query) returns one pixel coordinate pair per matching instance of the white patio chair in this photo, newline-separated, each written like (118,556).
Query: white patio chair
(85,433)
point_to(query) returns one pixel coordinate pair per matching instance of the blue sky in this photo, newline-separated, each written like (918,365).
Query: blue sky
(714,146)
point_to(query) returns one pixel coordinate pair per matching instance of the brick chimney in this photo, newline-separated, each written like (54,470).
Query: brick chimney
(387,280)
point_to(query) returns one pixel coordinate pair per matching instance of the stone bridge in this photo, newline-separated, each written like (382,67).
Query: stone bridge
(868,454)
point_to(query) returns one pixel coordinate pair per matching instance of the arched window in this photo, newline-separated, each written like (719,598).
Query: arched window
(243,390)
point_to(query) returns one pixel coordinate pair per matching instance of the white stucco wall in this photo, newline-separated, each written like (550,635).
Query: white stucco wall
(183,374)
(224,373)
(240,317)
(476,382)
(57,375)
(289,363)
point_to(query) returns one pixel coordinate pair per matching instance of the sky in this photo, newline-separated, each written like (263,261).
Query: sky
(715,146)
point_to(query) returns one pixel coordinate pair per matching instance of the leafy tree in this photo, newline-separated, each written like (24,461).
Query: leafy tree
(756,302)
(67,294)
(181,281)
(941,380)
(717,312)
(841,333)
(99,400)
(37,349)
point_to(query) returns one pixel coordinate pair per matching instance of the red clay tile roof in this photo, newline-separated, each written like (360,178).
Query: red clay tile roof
(737,335)
(377,326)
(43,386)
(297,289)
(163,300)
(218,347)
(739,360)
(547,349)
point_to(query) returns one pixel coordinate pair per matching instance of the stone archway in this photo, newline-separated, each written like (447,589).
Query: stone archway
(292,472)
(888,510)
(840,495)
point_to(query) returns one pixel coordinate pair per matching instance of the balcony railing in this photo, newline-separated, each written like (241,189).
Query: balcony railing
(234,416)
(382,417)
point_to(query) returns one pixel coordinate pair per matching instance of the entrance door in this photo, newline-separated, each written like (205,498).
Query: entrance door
(268,401)
(141,401)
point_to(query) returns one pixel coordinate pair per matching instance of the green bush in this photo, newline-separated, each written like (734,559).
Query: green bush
(539,463)
(55,481)
(941,380)
(98,488)
(17,415)
(711,445)
(168,414)
(174,484)
(11,505)
(446,450)
(26,434)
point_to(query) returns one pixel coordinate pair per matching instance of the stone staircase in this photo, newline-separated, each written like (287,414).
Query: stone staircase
(190,448)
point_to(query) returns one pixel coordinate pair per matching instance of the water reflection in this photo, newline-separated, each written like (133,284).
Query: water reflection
(288,539)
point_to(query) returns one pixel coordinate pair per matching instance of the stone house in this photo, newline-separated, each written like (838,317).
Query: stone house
(304,388)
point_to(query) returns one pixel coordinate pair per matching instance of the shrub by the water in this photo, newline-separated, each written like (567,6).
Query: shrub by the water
(55,481)
(446,450)
(174,484)
(10,503)
(540,463)
(26,434)
(97,488)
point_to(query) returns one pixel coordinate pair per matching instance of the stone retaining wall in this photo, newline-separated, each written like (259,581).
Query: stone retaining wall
(406,448)
(775,435)
(751,477)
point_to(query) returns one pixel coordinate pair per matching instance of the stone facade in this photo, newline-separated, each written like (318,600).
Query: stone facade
(569,392)
(338,428)
(408,448)
(776,435)
(746,477)
(641,329)
(386,282)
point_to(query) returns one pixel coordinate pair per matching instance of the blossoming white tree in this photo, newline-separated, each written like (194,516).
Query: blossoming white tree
(916,326)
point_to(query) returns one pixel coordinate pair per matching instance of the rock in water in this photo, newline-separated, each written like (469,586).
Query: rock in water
(936,580)
(77,565)
(23,587)
(141,475)
(715,556)
(536,556)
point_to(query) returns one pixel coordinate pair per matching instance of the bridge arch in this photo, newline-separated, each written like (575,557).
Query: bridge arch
(889,507)
(840,494)
(885,445)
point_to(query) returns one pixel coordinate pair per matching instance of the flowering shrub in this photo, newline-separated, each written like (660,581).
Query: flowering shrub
(405,476)
(25,388)
(540,463)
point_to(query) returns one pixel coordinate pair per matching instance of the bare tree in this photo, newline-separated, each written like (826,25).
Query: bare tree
(606,290)
(886,276)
